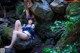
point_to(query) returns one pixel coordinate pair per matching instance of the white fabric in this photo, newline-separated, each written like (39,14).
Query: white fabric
(27,33)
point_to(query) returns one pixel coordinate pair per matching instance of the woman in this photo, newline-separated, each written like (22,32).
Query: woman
(23,32)
(28,3)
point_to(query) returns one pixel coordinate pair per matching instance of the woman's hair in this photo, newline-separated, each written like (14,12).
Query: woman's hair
(31,16)
(31,19)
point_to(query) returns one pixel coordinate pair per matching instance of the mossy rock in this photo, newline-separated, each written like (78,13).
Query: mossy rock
(7,31)
(73,9)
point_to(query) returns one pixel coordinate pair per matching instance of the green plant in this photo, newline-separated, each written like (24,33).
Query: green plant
(68,49)
(57,25)
(49,50)
(19,9)
(68,16)
(72,23)
(69,26)
(6,30)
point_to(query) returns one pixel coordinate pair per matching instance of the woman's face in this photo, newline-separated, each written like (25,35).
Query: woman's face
(30,21)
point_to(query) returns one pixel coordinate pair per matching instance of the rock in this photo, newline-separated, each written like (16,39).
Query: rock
(49,1)
(54,36)
(3,22)
(44,31)
(2,50)
(58,6)
(42,11)
(7,50)
(39,49)
(26,44)
(7,2)
(73,9)
(1,32)
(50,41)
(11,14)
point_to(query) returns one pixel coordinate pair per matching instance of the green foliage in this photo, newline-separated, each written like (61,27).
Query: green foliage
(74,8)
(68,49)
(69,26)
(74,5)
(49,50)
(6,30)
(68,16)
(19,9)
(57,25)
(72,25)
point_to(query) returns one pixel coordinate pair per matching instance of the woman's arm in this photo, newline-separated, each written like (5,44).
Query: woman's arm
(33,26)
(24,25)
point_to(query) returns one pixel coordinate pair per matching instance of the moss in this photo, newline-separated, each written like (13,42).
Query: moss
(6,30)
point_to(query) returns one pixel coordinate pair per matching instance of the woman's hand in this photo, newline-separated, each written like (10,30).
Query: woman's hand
(24,10)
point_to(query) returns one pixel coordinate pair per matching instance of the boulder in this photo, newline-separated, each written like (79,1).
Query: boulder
(7,50)
(20,44)
(49,1)
(7,2)
(2,50)
(42,10)
(50,41)
(26,44)
(1,32)
(44,31)
(2,20)
(58,6)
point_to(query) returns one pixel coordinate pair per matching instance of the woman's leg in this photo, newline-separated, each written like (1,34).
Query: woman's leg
(17,32)
(14,37)
(18,25)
